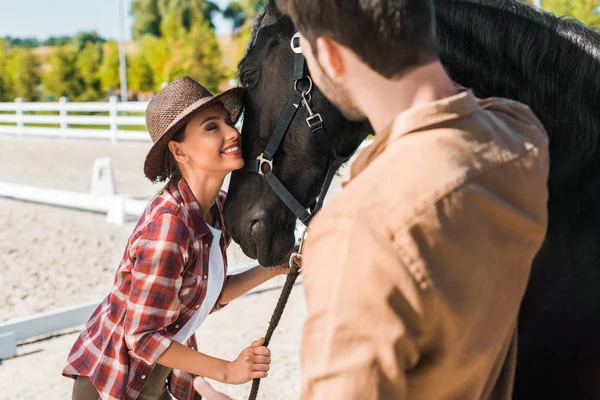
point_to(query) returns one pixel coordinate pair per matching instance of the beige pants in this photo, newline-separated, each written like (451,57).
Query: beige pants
(154,389)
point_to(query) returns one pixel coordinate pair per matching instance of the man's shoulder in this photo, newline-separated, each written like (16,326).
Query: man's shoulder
(417,171)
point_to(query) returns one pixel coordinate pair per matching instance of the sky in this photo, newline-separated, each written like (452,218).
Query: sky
(44,18)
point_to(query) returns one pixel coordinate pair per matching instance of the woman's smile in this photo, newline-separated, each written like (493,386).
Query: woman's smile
(232,150)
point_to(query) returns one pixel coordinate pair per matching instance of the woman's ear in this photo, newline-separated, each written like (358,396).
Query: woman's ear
(178,151)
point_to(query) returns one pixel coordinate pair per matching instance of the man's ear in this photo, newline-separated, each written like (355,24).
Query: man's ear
(330,57)
(282,6)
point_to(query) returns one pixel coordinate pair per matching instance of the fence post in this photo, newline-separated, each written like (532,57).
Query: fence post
(113,118)
(19,114)
(62,112)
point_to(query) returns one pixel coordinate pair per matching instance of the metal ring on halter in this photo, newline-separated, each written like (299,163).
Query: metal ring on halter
(310,85)
(296,48)
(293,258)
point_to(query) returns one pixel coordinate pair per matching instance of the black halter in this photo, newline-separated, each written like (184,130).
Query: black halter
(315,123)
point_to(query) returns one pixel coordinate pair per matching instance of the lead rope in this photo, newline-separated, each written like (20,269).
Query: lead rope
(281,303)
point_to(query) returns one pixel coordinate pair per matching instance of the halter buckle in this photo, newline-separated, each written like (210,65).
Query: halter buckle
(315,122)
(262,160)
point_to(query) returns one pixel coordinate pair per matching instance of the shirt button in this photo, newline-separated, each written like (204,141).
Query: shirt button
(143,376)
(205,277)
(205,244)
(197,305)
(176,326)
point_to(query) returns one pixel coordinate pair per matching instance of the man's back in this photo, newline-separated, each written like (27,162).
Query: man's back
(416,271)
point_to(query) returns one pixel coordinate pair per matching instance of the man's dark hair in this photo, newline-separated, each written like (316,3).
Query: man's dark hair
(390,36)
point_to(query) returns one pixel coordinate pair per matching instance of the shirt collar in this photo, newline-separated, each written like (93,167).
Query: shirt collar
(189,201)
(415,119)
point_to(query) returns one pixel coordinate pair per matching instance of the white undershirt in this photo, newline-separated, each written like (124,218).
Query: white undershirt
(216,277)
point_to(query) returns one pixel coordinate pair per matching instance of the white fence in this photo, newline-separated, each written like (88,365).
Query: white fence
(32,119)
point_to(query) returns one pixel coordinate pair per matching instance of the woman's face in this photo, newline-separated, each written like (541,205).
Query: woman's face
(211,143)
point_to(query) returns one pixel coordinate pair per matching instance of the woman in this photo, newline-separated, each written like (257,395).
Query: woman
(174,270)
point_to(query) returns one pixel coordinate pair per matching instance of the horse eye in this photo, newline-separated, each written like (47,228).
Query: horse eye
(249,78)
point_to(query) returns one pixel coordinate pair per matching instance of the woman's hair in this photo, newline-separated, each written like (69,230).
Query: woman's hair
(171,167)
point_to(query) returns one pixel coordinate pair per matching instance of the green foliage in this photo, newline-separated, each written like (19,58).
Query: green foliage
(56,41)
(174,38)
(88,69)
(27,43)
(146,18)
(178,52)
(81,39)
(109,69)
(22,71)
(585,11)
(235,13)
(239,11)
(63,78)
(149,15)
(202,56)
(139,74)
(5,88)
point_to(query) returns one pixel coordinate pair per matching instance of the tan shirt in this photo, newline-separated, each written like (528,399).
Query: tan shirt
(414,274)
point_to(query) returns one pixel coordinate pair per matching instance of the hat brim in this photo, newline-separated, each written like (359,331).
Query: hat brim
(154,166)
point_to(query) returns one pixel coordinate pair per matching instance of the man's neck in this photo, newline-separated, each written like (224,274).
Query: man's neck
(383,99)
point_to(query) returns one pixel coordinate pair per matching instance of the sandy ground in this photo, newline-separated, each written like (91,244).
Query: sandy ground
(52,257)
(35,373)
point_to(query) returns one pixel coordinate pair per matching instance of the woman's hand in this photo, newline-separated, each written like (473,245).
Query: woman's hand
(253,362)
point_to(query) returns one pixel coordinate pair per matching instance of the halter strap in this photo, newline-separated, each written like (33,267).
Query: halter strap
(315,123)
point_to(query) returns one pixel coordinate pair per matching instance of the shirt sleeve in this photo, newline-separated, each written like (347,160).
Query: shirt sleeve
(158,258)
(364,314)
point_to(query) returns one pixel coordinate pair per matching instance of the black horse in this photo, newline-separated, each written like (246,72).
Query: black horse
(502,48)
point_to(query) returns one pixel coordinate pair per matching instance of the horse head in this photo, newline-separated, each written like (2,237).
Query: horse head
(257,217)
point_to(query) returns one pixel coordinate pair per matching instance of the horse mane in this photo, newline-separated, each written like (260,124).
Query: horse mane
(506,48)
(268,10)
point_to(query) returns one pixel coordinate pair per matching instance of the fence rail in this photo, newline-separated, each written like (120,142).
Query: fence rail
(111,122)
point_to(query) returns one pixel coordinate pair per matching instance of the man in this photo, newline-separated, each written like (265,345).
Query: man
(414,274)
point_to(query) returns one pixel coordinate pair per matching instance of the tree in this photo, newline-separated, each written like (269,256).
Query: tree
(88,68)
(63,78)
(149,14)
(6,93)
(27,43)
(202,56)
(146,18)
(23,74)
(81,39)
(585,11)
(56,41)
(235,13)
(140,74)
(109,69)
(239,11)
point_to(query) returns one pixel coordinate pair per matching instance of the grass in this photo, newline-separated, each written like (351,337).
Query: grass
(78,126)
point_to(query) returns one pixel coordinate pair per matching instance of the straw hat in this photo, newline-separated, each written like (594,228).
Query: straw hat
(172,108)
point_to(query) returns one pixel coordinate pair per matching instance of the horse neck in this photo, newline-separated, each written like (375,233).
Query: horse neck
(509,49)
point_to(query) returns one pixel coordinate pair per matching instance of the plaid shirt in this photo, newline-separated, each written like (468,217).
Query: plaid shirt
(159,285)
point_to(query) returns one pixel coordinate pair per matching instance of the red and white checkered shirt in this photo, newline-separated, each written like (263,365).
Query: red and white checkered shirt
(159,285)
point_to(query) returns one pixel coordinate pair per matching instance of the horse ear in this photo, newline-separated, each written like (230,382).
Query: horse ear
(282,6)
